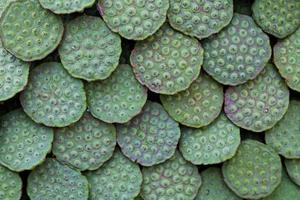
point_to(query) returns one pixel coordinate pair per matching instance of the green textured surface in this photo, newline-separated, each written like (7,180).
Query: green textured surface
(242,7)
(213,186)
(284,137)
(119,178)
(238,53)
(66,6)
(85,145)
(200,18)
(293,169)
(197,106)
(118,98)
(13,74)
(174,179)
(254,172)
(10,184)
(28,31)
(287,59)
(23,143)
(53,180)
(279,18)
(134,20)
(52,96)
(149,138)
(211,144)
(89,50)
(260,103)
(168,61)
(4,4)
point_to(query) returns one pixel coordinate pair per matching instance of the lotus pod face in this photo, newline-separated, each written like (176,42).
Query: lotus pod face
(66,6)
(10,184)
(293,169)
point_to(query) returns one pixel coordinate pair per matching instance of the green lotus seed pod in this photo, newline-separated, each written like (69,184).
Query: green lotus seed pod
(279,18)
(29,31)
(119,178)
(53,180)
(10,184)
(118,98)
(200,18)
(174,179)
(66,6)
(89,49)
(149,138)
(134,20)
(260,103)
(3,5)
(254,172)
(168,61)
(197,106)
(242,7)
(293,169)
(238,53)
(53,97)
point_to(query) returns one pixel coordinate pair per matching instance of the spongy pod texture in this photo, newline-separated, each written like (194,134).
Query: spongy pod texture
(66,6)
(260,103)
(174,179)
(4,4)
(24,144)
(254,172)
(293,169)
(134,19)
(52,96)
(279,18)
(237,53)
(10,184)
(29,31)
(168,61)
(200,18)
(89,50)
(53,180)
(119,178)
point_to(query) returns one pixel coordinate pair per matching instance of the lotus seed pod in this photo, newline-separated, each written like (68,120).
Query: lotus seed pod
(53,97)
(66,6)
(287,59)
(242,7)
(89,50)
(213,186)
(168,61)
(279,18)
(254,172)
(211,144)
(53,180)
(197,106)
(284,137)
(24,144)
(29,31)
(3,5)
(119,178)
(118,98)
(174,179)
(238,53)
(200,18)
(10,184)
(134,20)
(293,169)
(149,138)
(260,103)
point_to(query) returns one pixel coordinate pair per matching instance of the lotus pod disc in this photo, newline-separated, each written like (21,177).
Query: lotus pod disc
(200,18)
(287,59)
(254,172)
(279,18)
(238,53)
(66,6)
(197,106)
(85,145)
(260,103)
(174,179)
(213,186)
(293,169)
(29,31)
(119,178)
(242,7)
(23,143)
(168,61)
(118,98)
(89,49)
(149,138)
(13,74)
(10,184)
(52,96)
(53,180)
(211,144)
(284,137)
(134,20)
